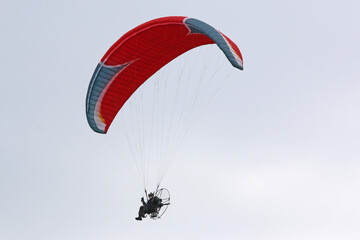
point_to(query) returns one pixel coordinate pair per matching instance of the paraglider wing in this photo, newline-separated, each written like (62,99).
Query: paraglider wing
(140,53)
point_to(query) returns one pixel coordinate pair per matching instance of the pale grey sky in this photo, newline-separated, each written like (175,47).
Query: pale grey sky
(275,156)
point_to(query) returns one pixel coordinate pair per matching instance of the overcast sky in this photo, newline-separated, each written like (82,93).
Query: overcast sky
(275,156)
